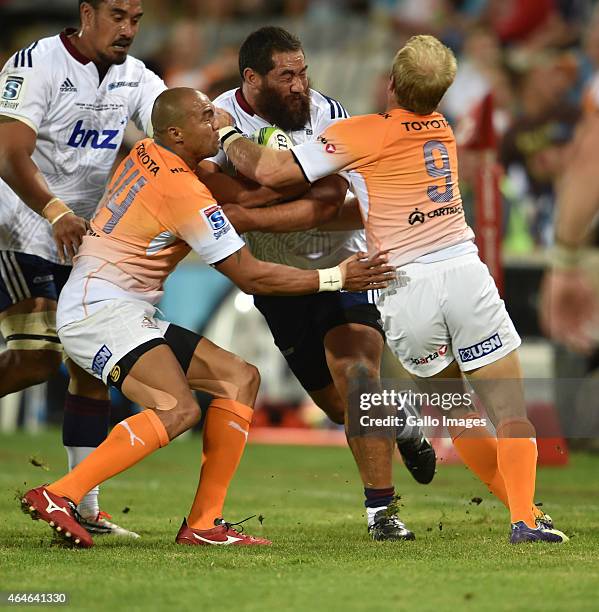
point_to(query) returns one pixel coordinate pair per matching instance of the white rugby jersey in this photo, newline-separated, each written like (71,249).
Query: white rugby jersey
(79,123)
(313,248)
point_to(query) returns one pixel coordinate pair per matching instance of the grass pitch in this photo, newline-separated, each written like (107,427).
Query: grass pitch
(322,559)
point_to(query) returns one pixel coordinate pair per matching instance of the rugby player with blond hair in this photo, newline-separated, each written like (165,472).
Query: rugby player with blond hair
(402,166)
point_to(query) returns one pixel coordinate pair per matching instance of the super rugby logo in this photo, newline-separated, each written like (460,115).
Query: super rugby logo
(101,359)
(216,220)
(476,351)
(12,87)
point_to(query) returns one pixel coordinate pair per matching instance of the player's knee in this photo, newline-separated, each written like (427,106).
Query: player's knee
(250,378)
(188,413)
(246,379)
(357,370)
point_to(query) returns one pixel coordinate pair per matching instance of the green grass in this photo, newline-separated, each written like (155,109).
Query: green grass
(322,559)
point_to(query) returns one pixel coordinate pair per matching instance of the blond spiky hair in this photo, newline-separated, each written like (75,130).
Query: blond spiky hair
(423,70)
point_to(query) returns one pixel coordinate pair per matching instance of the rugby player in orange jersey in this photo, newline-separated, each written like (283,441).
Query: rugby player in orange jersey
(448,321)
(155,210)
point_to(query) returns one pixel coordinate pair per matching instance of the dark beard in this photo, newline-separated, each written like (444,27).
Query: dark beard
(290,113)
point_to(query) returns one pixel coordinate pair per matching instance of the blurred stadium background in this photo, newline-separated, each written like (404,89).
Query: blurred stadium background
(535,57)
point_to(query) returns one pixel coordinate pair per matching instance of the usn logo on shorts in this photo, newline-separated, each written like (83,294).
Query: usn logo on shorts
(476,351)
(216,220)
(101,359)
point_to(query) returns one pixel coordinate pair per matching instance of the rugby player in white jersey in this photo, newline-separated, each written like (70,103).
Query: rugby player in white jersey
(328,340)
(64,104)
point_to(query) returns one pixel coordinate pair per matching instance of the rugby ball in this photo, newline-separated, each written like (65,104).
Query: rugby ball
(273,138)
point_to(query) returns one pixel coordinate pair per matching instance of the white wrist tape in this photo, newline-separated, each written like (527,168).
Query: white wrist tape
(228,135)
(55,209)
(565,258)
(330,279)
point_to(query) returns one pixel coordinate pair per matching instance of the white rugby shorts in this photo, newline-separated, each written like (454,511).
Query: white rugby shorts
(449,310)
(98,342)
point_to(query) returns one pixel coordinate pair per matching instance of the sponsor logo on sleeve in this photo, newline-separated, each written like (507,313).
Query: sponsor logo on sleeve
(101,359)
(216,220)
(12,88)
(476,351)
(329,147)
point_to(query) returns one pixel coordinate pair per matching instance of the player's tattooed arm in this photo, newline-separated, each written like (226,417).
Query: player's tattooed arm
(319,205)
(266,166)
(21,174)
(242,191)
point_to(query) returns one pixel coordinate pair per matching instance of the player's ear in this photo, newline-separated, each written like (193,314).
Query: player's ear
(86,15)
(391,84)
(176,134)
(251,77)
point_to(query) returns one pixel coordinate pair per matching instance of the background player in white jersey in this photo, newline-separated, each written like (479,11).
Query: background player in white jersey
(327,340)
(64,104)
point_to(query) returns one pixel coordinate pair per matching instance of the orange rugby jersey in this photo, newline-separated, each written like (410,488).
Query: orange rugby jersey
(403,170)
(154,211)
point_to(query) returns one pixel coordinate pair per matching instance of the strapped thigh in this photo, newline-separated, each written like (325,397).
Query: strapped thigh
(32,331)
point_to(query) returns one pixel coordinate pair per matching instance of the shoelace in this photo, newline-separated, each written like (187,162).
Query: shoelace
(103,515)
(394,519)
(391,519)
(232,525)
(76,514)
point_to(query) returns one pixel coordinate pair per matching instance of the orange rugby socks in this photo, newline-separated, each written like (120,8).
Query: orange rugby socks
(477,448)
(225,434)
(517,462)
(129,442)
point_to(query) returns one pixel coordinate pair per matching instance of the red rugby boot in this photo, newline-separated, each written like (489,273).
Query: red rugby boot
(59,512)
(222,534)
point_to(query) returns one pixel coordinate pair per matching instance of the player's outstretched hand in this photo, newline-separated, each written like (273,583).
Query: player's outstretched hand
(569,309)
(360,273)
(223,118)
(68,232)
